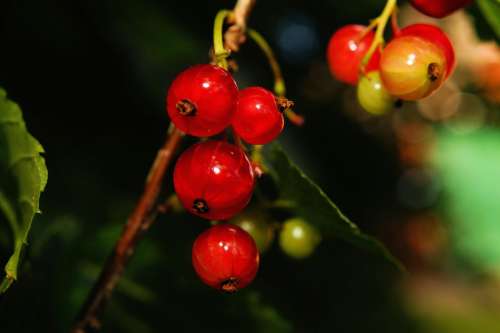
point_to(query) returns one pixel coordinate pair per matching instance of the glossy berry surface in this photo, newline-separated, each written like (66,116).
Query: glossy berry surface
(202,99)
(436,36)
(412,68)
(214,179)
(258,225)
(346,49)
(372,95)
(257,119)
(225,257)
(298,239)
(439,8)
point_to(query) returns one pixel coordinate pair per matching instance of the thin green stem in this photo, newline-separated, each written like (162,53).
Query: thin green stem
(396,31)
(279,82)
(219,51)
(379,33)
(5,284)
(257,154)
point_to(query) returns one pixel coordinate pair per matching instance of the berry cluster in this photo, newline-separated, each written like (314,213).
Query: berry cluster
(413,64)
(215,179)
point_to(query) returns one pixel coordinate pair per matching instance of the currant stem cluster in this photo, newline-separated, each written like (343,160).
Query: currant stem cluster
(147,207)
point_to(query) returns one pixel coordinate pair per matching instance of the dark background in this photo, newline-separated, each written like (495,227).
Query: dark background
(91,78)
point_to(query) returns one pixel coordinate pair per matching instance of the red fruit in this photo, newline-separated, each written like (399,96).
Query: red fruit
(225,257)
(346,49)
(436,36)
(439,8)
(214,180)
(202,99)
(257,119)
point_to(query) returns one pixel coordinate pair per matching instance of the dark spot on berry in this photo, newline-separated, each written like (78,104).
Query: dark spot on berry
(284,104)
(434,71)
(186,107)
(398,103)
(230,285)
(200,206)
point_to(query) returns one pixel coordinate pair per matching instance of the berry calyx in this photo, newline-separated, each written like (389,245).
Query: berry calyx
(298,239)
(202,99)
(258,118)
(346,50)
(258,225)
(436,36)
(439,8)
(372,95)
(412,68)
(214,179)
(225,257)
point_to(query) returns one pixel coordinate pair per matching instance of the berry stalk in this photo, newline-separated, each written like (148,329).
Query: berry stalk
(381,23)
(220,51)
(279,82)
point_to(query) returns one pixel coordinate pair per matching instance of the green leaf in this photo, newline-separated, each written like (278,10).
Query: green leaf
(23,176)
(491,12)
(307,200)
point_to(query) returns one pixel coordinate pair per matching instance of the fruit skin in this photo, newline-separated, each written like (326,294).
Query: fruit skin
(439,8)
(225,257)
(298,239)
(345,51)
(257,119)
(214,180)
(209,94)
(258,225)
(436,36)
(412,68)
(372,95)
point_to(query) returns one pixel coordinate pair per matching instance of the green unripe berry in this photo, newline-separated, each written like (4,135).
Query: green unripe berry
(298,239)
(258,225)
(372,95)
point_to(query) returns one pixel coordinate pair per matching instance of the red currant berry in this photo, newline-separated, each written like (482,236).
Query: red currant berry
(412,68)
(225,257)
(436,36)
(346,49)
(214,180)
(202,99)
(439,8)
(258,119)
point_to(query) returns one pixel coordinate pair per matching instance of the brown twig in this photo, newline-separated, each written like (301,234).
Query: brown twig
(139,221)
(147,208)
(236,34)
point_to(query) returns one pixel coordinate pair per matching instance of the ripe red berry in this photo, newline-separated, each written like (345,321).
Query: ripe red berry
(346,49)
(436,36)
(225,257)
(202,99)
(258,119)
(439,8)
(214,179)
(412,68)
